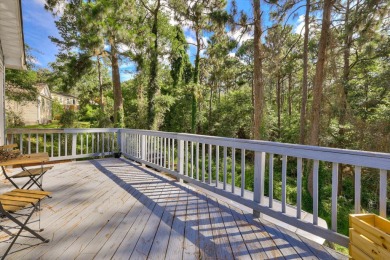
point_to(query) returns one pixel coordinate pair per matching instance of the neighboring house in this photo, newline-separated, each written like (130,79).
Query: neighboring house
(34,112)
(11,49)
(68,101)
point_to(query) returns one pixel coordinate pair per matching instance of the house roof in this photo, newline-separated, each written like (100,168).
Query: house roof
(63,94)
(42,89)
(11,34)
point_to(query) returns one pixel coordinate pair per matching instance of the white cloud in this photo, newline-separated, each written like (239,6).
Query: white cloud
(35,61)
(299,29)
(190,40)
(123,47)
(240,35)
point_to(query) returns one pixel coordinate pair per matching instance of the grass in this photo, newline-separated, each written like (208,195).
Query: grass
(55,124)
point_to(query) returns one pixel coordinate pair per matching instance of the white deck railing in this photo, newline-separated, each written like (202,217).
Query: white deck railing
(186,156)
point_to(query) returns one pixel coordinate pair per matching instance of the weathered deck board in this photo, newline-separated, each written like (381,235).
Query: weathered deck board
(113,208)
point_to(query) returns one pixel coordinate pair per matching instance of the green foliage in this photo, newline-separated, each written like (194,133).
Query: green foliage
(68,118)
(13,119)
(57,109)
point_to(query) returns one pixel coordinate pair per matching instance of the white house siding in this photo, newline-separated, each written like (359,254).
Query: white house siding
(68,101)
(28,111)
(2,112)
(33,112)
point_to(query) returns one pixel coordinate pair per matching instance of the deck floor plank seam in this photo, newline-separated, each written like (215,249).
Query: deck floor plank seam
(163,233)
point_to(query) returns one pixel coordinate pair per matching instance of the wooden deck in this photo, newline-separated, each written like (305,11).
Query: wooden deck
(113,208)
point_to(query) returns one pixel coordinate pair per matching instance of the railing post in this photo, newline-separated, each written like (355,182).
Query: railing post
(180,156)
(143,148)
(74,144)
(119,144)
(383,193)
(258,189)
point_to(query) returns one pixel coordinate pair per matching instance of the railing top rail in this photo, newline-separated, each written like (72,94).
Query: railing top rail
(354,157)
(59,130)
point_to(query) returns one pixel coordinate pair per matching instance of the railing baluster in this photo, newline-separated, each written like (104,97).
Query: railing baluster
(271,180)
(224,167)
(165,152)
(284,182)
(299,187)
(151,148)
(233,169)
(156,142)
(74,144)
(150,153)
(210,179)
(103,143)
(93,142)
(87,144)
(66,145)
(52,145)
(180,157)
(82,143)
(203,161)
(335,184)
(192,159)
(197,161)
(161,151)
(59,145)
(383,193)
(186,157)
(258,189)
(216,166)
(107,137)
(169,153)
(315,191)
(173,154)
(143,149)
(358,175)
(157,147)
(29,143)
(37,143)
(21,143)
(242,172)
(44,142)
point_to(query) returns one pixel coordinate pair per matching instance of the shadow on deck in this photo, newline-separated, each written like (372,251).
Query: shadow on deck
(113,208)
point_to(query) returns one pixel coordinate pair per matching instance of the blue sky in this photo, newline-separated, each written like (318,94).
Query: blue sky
(39,25)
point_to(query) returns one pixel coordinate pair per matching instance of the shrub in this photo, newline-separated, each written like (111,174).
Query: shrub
(68,118)
(14,119)
(58,109)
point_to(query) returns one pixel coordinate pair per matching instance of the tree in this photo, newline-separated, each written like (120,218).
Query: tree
(197,14)
(258,85)
(19,84)
(302,122)
(319,81)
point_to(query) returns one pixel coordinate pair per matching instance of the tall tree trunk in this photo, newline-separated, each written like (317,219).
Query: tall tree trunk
(116,82)
(196,80)
(210,107)
(153,88)
(100,85)
(289,94)
(258,86)
(318,82)
(344,89)
(302,126)
(279,104)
